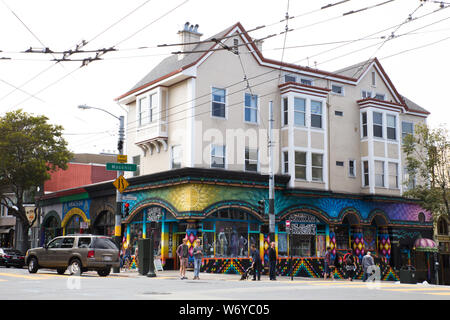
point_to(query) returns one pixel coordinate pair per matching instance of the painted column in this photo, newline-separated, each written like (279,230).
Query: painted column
(191,236)
(332,243)
(358,242)
(384,243)
(164,241)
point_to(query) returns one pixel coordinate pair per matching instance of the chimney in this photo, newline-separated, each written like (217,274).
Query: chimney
(188,34)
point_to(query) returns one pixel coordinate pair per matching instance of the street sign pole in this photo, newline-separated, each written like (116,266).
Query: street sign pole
(118,217)
(271,176)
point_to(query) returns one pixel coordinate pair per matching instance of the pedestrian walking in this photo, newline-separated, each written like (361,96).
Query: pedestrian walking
(183,254)
(350,265)
(366,262)
(198,255)
(327,264)
(256,263)
(272,262)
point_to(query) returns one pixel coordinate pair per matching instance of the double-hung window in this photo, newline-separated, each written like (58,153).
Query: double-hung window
(316,114)
(364,124)
(317,166)
(379,173)
(351,168)
(285,111)
(380,96)
(137,162)
(218,102)
(143,115)
(176,156)
(300,165)
(366,94)
(393,175)
(366,173)
(378,124)
(251,108)
(251,159)
(391,127)
(217,156)
(409,179)
(299,111)
(407,128)
(285,162)
(153,106)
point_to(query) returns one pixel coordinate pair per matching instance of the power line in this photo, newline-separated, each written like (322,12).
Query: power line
(318,78)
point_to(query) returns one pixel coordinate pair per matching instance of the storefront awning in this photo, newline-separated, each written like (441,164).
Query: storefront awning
(5,230)
(425,245)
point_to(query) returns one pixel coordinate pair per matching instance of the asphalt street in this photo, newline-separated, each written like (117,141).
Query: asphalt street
(18,284)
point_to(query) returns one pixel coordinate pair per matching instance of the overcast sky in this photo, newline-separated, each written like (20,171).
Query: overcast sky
(417,59)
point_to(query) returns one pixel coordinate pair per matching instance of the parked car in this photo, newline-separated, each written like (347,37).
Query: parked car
(11,257)
(77,253)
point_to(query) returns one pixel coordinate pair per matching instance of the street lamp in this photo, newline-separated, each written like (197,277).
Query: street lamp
(118,217)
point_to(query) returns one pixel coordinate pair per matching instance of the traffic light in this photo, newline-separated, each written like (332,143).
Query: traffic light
(261,207)
(120,145)
(127,209)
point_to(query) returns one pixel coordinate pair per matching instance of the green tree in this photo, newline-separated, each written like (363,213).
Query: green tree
(428,159)
(30,149)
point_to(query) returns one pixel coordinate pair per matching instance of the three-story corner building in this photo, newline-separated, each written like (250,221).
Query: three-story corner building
(197,128)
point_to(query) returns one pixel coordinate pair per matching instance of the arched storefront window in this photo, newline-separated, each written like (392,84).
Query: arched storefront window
(104,224)
(52,228)
(308,236)
(230,232)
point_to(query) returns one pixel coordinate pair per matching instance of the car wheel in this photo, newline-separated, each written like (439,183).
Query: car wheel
(61,270)
(104,272)
(33,265)
(75,267)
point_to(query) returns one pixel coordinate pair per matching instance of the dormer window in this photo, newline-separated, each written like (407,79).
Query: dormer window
(380,96)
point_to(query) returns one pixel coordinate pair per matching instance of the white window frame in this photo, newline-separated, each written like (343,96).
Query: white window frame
(383,174)
(289,75)
(374,124)
(304,113)
(396,176)
(253,160)
(316,114)
(395,127)
(407,186)
(312,167)
(373,79)
(301,165)
(336,93)
(412,133)
(284,112)
(252,108)
(152,105)
(285,161)
(364,173)
(364,94)
(142,110)
(354,168)
(380,94)
(172,156)
(224,103)
(224,156)
(366,124)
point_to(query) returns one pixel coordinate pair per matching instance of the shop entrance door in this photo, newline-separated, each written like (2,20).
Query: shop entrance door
(179,236)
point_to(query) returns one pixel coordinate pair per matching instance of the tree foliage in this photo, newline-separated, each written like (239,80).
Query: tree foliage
(428,160)
(30,149)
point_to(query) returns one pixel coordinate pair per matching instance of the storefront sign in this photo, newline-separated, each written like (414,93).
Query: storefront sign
(303,228)
(29,211)
(302,217)
(154,214)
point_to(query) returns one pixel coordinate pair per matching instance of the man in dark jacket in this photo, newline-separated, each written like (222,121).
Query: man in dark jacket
(256,263)
(272,261)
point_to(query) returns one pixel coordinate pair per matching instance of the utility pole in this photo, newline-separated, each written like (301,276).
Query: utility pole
(118,217)
(271,176)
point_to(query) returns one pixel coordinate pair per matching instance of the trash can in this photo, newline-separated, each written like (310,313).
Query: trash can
(144,256)
(408,275)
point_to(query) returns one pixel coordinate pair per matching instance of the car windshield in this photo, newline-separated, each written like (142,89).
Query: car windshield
(103,243)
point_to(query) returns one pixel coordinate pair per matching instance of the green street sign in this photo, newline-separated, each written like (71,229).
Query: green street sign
(121,166)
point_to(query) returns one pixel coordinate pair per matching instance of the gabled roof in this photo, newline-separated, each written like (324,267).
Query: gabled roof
(414,106)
